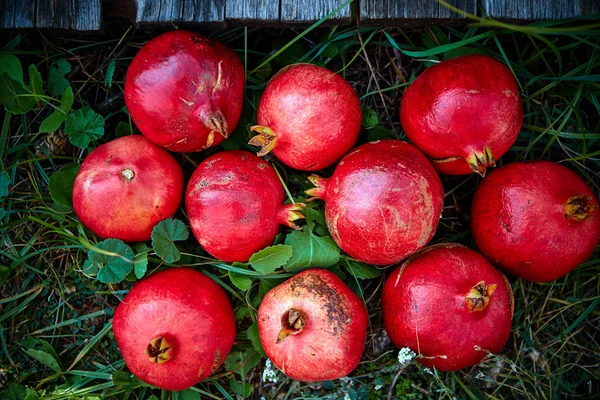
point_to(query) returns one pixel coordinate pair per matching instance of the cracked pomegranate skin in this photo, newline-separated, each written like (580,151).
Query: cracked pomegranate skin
(332,339)
(383,201)
(518,220)
(458,107)
(424,307)
(315,114)
(112,206)
(189,310)
(235,205)
(179,84)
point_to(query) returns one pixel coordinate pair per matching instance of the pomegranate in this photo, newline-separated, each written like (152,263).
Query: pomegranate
(185,91)
(174,328)
(382,203)
(449,305)
(125,187)
(235,205)
(536,220)
(464,113)
(313,326)
(308,117)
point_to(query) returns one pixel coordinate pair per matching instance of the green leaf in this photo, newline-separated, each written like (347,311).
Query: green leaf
(42,351)
(4,182)
(140,261)
(242,282)
(110,72)
(14,96)
(111,268)
(362,270)
(61,184)
(123,129)
(12,66)
(188,394)
(267,260)
(56,76)
(378,132)
(369,118)
(83,126)
(35,82)
(54,121)
(310,250)
(254,338)
(239,388)
(242,361)
(164,234)
(18,392)
(263,73)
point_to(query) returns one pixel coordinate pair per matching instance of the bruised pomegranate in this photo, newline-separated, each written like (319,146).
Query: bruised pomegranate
(464,113)
(449,305)
(125,187)
(313,326)
(174,328)
(382,203)
(235,205)
(185,91)
(308,117)
(536,220)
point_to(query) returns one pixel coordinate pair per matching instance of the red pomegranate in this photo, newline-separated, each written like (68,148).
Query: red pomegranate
(536,220)
(464,113)
(235,205)
(185,91)
(449,305)
(383,202)
(313,326)
(125,187)
(174,328)
(308,116)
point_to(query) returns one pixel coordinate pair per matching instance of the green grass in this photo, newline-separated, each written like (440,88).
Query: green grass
(55,322)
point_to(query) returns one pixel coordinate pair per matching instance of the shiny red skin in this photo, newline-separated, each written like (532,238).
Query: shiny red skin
(113,208)
(174,80)
(460,106)
(333,339)
(233,201)
(315,114)
(383,202)
(424,308)
(518,221)
(191,311)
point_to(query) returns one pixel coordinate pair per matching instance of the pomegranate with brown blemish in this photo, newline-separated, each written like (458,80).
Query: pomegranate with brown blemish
(185,91)
(313,327)
(537,220)
(235,205)
(382,203)
(308,116)
(449,305)
(464,113)
(125,187)
(174,328)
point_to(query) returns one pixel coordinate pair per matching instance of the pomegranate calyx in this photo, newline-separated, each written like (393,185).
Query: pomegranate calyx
(159,350)
(289,213)
(292,323)
(318,192)
(479,296)
(213,119)
(479,160)
(579,208)
(266,139)
(127,174)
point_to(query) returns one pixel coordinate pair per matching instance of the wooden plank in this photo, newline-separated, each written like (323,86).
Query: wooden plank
(536,9)
(298,11)
(263,12)
(176,11)
(389,11)
(80,15)
(17,13)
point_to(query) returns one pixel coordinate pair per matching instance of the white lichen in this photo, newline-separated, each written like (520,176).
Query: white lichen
(269,374)
(405,355)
